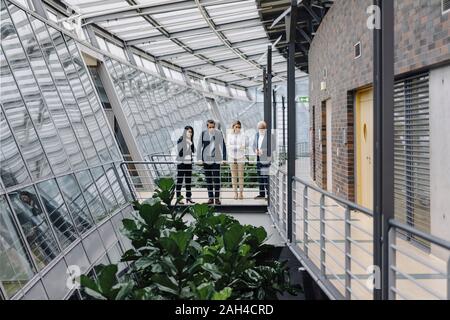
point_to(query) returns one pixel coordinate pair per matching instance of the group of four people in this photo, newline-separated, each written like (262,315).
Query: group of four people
(213,151)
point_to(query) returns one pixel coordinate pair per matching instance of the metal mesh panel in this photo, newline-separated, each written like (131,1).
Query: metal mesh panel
(412,152)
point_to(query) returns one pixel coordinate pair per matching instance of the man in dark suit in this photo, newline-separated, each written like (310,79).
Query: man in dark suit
(261,149)
(212,153)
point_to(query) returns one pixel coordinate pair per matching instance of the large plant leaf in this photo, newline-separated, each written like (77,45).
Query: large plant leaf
(213,270)
(200,210)
(165,283)
(107,279)
(168,265)
(170,246)
(165,184)
(144,262)
(129,225)
(182,239)
(90,287)
(223,294)
(205,291)
(259,233)
(166,190)
(151,213)
(233,237)
(244,250)
(130,255)
(125,289)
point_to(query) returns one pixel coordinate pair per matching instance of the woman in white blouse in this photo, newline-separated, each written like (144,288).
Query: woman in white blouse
(236,146)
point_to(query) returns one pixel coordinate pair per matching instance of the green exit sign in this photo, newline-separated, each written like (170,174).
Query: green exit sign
(303,99)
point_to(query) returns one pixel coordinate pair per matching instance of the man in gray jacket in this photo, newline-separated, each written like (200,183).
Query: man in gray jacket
(212,152)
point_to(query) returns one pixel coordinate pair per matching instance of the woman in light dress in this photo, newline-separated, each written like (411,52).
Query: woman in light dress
(236,146)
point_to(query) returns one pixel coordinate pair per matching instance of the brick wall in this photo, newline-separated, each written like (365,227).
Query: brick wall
(422,40)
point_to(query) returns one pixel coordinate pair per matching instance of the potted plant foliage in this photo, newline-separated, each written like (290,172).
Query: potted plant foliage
(212,258)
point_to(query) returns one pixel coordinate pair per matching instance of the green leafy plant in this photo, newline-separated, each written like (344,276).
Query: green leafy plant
(212,258)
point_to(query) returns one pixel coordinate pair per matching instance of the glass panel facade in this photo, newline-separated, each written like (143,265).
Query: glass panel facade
(15,266)
(91,195)
(35,225)
(76,202)
(31,76)
(156,110)
(57,212)
(104,188)
(59,175)
(245,111)
(12,169)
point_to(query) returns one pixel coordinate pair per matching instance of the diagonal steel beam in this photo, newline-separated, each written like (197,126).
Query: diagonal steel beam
(176,41)
(236,25)
(39,8)
(304,35)
(239,44)
(223,38)
(308,8)
(218,62)
(150,9)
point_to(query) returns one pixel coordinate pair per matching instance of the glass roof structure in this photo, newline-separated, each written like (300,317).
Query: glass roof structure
(223,40)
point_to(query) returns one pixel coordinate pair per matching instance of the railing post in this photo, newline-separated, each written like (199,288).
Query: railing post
(384,140)
(448,279)
(281,199)
(291,31)
(305,220)
(348,255)
(322,235)
(126,176)
(392,262)
(274,110)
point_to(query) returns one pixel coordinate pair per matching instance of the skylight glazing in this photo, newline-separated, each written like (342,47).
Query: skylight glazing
(204,36)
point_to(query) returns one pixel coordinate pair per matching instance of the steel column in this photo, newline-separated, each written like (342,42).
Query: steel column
(91,34)
(384,141)
(130,55)
(268,99)
(268,105)
(274,111)
(39,8)
(283,106)
(291,23)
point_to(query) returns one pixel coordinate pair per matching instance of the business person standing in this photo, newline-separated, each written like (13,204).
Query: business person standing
(260,146)
(237,145)
(186,150)
(212,153)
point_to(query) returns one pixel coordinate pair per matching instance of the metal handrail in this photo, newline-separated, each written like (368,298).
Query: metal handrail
(148,172)
(198,163)
(351,205)
(423,235)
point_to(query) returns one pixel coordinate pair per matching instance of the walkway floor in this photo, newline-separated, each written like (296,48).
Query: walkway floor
(227,197)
